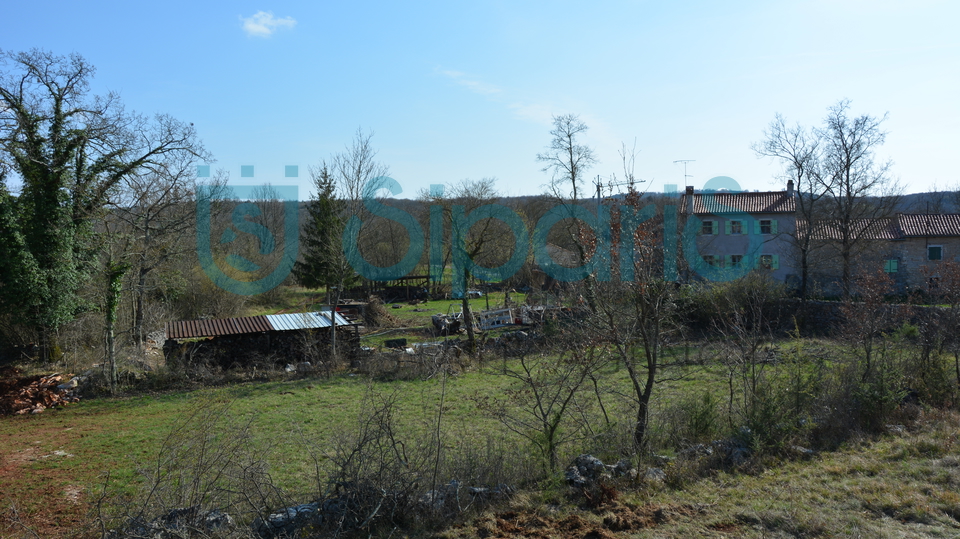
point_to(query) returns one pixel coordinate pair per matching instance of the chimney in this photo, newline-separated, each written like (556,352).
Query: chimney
(789,188)
(689,200)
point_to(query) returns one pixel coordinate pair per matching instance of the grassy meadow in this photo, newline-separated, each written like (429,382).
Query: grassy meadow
(276,439)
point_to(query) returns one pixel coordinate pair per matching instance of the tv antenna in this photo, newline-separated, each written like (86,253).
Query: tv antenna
(611,183)
(685,175)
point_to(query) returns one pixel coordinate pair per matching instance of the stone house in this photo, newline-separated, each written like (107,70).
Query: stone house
(918,243)
(728,234)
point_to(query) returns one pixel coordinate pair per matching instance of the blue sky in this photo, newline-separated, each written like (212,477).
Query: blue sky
(455,90)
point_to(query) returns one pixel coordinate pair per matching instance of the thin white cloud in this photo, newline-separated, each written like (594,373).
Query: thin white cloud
(264,24)
(535,112)
(475,86)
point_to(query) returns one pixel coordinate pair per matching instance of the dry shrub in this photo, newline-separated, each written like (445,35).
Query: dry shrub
(206,465)
(377,315)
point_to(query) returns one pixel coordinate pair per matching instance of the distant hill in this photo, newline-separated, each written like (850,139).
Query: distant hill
(939,202)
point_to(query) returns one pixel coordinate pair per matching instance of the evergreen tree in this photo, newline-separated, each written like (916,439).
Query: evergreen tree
(323,263)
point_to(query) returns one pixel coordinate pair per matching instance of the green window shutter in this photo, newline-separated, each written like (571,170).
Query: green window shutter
(895,266)
(776,258)
(773,226)
(726,227)
(756,226)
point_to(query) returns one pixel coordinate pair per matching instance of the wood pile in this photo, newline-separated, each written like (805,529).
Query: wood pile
(31,394)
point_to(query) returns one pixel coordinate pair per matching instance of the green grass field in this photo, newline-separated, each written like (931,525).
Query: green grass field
(299,429)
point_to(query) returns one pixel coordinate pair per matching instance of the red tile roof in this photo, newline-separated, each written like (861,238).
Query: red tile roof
(901,227)
(924,225)
(876,229)
(722,202)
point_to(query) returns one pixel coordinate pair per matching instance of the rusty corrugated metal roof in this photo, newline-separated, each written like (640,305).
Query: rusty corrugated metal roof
(720,203)
(190,329)
(920,225)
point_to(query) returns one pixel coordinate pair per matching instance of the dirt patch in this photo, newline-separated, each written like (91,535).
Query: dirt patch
(603,523)
(38,496)
(73,493)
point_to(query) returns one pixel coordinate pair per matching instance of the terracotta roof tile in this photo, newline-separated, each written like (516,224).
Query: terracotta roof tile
(719,203)
(922,225)
(877,229)
(902,226)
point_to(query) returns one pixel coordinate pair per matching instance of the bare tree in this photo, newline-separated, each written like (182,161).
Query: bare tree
(567,160)
(471,244)
(866,321)
(156,211)
(354,168)
(799,150)
(637,311)
(860,191)
(538,406)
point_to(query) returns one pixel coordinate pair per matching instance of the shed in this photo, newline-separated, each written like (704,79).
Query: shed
(244,340)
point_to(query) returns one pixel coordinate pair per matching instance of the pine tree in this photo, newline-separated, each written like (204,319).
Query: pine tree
(323,263)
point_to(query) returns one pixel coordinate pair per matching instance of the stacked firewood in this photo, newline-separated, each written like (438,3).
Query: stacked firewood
(33,394)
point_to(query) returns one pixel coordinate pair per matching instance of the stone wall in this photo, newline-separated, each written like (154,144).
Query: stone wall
(825,318)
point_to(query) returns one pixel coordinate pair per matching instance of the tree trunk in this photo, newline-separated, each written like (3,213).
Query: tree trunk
(138,308)
(640,430)
(468,319)
(115,273)
(333,323)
